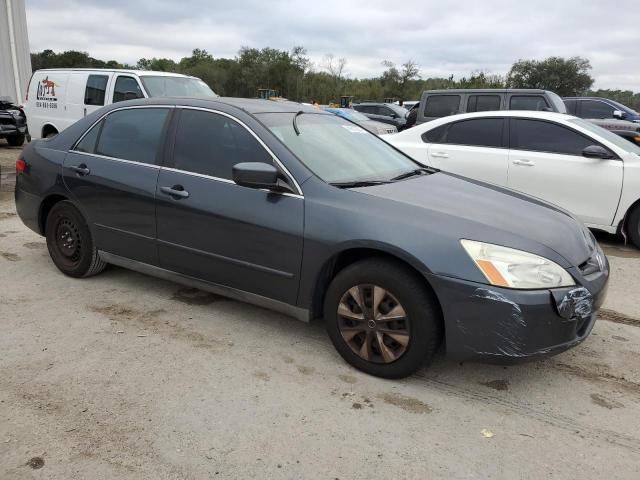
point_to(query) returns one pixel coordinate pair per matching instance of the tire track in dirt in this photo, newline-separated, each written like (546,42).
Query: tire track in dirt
(615,317)
(556,420)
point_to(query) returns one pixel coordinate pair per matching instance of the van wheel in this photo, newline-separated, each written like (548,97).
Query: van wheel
(633,226)
(15,141)
(70,244)
(382,319)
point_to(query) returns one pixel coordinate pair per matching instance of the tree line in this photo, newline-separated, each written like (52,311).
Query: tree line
(292,75)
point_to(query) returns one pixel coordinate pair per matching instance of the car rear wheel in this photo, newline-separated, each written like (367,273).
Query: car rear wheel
(633,226)
(15,141)
(382,319)
(70,243)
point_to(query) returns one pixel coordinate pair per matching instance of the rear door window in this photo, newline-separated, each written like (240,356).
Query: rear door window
(94,93)
(481,132)
(441,105)
(540,136)
(596,109)
(133,134)
(126,88)
(211,144)
(528,102)
(483,103)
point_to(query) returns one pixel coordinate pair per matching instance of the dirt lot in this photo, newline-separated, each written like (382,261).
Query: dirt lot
(129,377)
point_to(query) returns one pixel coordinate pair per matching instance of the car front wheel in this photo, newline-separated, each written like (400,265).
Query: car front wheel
(70,243)
(382,319)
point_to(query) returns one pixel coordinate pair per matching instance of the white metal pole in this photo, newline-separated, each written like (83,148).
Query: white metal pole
(14,54)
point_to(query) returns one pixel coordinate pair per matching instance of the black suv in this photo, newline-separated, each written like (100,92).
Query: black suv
(13,122)
(384,112)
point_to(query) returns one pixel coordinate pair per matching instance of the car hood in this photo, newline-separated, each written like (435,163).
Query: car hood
(479,211)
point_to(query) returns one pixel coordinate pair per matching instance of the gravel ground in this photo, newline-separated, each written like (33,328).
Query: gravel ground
(130,377)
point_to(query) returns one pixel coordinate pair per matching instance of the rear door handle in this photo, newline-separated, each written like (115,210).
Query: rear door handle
(524,163)
(440,155)
(177,191)
(81,169)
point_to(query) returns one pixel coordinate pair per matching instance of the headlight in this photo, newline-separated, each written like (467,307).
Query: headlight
(507,267)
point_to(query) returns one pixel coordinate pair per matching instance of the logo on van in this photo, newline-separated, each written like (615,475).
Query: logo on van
(46,93)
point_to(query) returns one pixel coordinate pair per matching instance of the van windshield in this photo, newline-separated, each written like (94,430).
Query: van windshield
(166,86)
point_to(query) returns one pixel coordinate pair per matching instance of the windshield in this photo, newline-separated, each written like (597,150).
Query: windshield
(166,86)
(349,114)
(617,140)
(624,108)
(338,151)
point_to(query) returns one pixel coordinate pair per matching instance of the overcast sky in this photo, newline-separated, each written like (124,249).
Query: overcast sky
(443,39)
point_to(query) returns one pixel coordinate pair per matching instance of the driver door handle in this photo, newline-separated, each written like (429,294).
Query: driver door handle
(524,163)
(440,155)
(81,169)
(177,191)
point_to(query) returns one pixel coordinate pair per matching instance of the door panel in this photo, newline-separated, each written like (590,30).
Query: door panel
(119,200)
(546,161)
(480,163)
(235,236)
(587,187)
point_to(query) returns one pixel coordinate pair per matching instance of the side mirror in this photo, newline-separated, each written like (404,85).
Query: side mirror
(618,114)
(256,175)
(596,151)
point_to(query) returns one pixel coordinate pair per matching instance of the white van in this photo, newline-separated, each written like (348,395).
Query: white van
(58,97)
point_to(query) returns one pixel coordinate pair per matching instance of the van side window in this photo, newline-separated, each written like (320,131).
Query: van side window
(441,105)
(528,102)
(127,88)
(571,106)
(133,134)
(483,103)
(211,144)
(95,92)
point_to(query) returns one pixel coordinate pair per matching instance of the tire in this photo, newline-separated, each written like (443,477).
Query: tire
(633,226)
(15,140)
(70,243)
(416,335)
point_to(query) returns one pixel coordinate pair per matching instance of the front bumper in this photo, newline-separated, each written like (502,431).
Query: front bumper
(488,323)
(8,130)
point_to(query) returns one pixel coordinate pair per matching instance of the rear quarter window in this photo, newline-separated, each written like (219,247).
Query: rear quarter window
(528,102)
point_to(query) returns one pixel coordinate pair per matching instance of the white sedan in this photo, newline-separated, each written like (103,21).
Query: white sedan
(593,173)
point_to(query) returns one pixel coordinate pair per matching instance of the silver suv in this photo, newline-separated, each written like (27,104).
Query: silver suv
(441,103)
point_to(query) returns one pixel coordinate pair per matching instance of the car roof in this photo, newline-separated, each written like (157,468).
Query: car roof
(488,90)
(140,73)
(505,113)
(250,105)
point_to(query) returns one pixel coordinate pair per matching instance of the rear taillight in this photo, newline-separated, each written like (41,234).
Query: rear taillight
(21,166)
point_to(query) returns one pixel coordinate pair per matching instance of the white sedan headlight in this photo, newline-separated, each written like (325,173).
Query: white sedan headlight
(510,268)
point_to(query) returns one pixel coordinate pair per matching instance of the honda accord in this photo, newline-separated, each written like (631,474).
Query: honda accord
(298,210)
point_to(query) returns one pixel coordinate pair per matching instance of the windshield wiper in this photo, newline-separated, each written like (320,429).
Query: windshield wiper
(358,183)
(295,122)
(412,173)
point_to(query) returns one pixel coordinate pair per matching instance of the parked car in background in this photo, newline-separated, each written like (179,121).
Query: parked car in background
(378,128)
(441,103)
(561,159)
(58,97)
(13,122)
(298,210)
(384,112)
(627,130)
(600,108)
